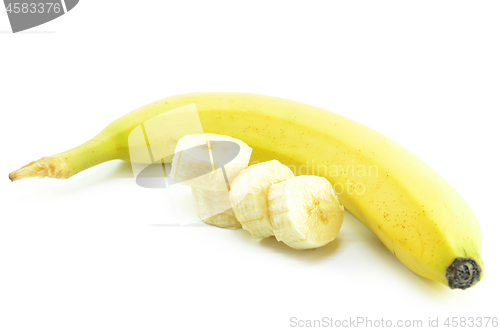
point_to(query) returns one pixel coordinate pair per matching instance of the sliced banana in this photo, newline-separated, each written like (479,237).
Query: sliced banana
(214,208)
(248,195)
(199,160)
(305,212)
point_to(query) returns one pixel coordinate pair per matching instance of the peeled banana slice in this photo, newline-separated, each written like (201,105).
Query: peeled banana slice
(214,208)
(305,212)
(248,195)
(208,161)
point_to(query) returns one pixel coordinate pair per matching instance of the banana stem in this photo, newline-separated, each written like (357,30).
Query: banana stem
(64,165)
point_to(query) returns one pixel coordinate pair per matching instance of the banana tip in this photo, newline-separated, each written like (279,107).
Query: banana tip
(463,273)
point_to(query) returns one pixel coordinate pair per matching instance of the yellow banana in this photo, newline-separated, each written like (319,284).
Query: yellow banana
(419,217)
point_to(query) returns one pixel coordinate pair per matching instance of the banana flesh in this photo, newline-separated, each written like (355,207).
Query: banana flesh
(209,161)
(305,212)
(214,208)
(248,195)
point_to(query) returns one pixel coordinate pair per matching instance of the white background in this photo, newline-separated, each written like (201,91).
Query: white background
(86,253)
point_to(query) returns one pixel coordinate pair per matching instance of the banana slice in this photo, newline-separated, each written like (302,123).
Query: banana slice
(248,195)
(200,159)
(305,212)
(214,208)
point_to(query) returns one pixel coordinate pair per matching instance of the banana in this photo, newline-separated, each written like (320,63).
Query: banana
(209,161)
(305,212)
(248,195)
(214,208)
(414,211)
